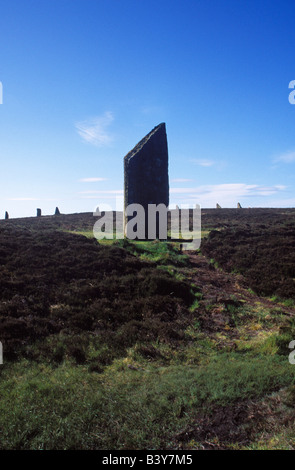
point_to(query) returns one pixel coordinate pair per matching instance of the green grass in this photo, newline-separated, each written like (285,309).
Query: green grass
(70,408)
(284,302)
(143,402)
(160,252)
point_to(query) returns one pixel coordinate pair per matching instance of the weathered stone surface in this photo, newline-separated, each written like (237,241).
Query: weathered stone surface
(6,215)
(57,211)
(218,206)
(146,172)
(239,206)
(38,212)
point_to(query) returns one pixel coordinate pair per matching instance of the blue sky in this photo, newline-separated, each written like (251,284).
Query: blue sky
(85,80)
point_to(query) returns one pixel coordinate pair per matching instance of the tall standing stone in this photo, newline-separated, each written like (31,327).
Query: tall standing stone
(146,173)
(57,211)
(6,215)
(38,212)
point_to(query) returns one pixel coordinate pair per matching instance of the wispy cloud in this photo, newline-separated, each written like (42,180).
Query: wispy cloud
(95,130)
(226,194)
(22,199)
(287,157)
(240,189)
(180,180)
(202,162)
(92,180)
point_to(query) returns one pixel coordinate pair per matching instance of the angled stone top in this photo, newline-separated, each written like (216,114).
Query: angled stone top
(146,170)
(160,129)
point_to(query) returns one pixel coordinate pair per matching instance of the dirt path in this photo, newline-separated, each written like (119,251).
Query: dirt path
(221,290)
(239,422)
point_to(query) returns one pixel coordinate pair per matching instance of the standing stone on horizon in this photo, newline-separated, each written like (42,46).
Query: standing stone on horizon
(218,206)
(239,206)
(38,212)
(57,211)
(146,173)
(6,215)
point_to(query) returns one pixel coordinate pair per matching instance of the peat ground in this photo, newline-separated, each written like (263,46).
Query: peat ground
(260,245)
(137,345)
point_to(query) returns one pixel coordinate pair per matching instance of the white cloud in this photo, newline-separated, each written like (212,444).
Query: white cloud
(287,157)
(227,194)
(92,180)
(180,180)
(202,162)
(94,131)
(22,199)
